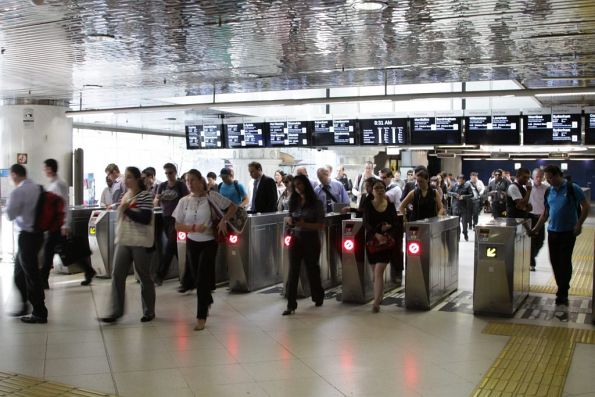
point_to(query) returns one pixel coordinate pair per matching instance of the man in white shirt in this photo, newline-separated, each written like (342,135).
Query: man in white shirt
(107,194)
(358,187)
(21,208)
(538,207)
(112,171)
(477,188)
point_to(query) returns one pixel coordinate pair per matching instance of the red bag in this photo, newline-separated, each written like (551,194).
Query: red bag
(49,212)
(374,246)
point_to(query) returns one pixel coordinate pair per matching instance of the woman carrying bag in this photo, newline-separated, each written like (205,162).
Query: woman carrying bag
(380,221)
(134,245)
(203,215)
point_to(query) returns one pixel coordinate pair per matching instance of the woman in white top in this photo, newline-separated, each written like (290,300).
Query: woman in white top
(194,216)
(134,238)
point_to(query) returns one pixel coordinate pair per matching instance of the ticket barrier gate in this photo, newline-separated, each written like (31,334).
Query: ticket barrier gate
(502,266)
(358,274)
(432,261)
(102,235)
(254,257)
(330,256)
(79,221)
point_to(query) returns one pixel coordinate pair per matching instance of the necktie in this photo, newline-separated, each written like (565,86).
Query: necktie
(253,204)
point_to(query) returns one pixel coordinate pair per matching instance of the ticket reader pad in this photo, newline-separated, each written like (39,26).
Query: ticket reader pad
(357,274)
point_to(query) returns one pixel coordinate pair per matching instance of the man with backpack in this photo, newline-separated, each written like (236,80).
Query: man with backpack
(22,208)
(232,189)
(563,201)
(168,195)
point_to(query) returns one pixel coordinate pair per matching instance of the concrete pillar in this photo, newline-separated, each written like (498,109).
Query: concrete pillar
(40,131)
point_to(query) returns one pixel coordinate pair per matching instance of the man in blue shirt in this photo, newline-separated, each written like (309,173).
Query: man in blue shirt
(330,191)
(232,189)
(561,207)
(21,208)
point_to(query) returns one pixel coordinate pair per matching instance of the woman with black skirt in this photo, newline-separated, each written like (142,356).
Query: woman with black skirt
(380,221)
(306,220)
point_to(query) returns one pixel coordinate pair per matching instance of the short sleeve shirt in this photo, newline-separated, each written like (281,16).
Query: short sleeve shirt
(230,191)
(562,208)
(169,196)
(193,210)
(514,193)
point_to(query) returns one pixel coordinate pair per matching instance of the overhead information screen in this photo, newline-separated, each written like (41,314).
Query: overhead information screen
(493,130)
(192,137)
(333,132)
(290,133)
(545,129)
(383,132)
(247,135)
(590,129)
(210,136)
(436,131)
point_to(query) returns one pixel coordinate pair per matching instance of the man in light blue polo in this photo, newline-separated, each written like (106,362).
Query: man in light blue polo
(330,191)
(562,202)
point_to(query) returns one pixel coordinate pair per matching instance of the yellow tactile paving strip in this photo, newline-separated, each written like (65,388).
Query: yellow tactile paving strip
(534,362)
(26,386)
(581,283)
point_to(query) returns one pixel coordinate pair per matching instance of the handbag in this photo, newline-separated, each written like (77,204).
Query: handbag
(374,246)
(235,223)
(215,219)
(72,249)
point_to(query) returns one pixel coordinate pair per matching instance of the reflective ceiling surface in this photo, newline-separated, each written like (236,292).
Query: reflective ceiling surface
(117,53)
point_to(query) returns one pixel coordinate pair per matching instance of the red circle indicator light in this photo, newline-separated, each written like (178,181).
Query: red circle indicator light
(348,245)
(181,236)
(287,241)
(413,248)
(233,238)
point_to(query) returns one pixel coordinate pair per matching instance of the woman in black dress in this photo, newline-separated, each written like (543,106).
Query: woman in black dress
(306,220)
(380,221)
(425,200)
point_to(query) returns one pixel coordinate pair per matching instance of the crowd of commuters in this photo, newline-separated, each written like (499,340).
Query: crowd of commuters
(196,205)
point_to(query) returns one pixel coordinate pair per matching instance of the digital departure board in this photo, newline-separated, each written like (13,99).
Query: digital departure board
(493,130)
(288,133)
(333,132)
(546,129)
(206,136)
(436,131)
(192,137)
(590,129)
(383,132)
(246,135)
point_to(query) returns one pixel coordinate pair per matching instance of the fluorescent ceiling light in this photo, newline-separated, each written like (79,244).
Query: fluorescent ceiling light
(370,5)
(567,94)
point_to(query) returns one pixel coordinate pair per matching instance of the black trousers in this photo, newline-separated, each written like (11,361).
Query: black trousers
(27,276)
(305,246)
(561,245)
(49,250)
(537,240)
(498,209)
(202,256)
(461,212)
(474,211)
(171,246)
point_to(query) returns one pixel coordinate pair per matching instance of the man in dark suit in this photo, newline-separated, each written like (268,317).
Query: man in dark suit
(264,193)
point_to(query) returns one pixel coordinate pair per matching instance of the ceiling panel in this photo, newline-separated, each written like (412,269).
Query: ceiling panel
(116,53)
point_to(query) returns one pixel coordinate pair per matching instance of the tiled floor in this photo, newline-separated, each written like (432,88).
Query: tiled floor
(249,349)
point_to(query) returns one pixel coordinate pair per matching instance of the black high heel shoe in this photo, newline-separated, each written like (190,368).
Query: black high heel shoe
(288,312)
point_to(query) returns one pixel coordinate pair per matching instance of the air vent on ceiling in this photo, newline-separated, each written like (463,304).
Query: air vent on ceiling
(558,155)
(446,155)
(500,155)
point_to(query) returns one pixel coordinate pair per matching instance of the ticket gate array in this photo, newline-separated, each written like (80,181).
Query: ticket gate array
(358,284)
(502,266)
(432,261)
(330,255)
(254,257)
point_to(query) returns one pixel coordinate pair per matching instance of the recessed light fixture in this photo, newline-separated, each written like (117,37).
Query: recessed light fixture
(171,118)
(101,37)
(370,5)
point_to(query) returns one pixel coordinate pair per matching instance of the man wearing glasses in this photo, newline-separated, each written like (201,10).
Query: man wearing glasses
(168,195)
